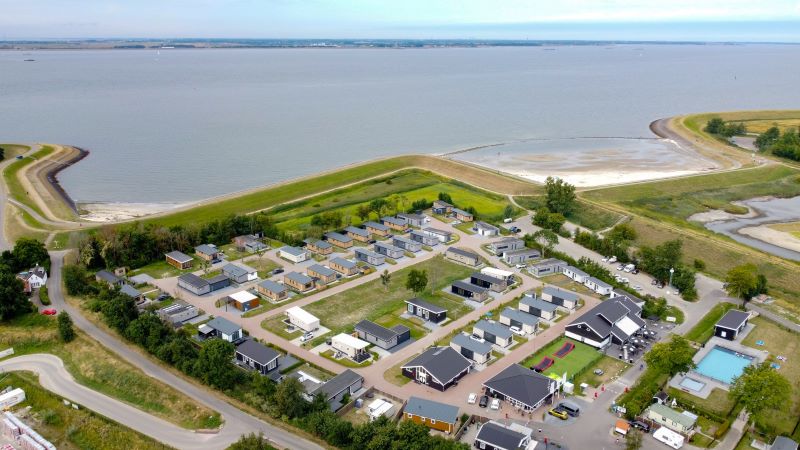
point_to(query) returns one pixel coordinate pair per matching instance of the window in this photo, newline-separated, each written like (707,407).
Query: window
(408,415)
(433,421)
(482,445)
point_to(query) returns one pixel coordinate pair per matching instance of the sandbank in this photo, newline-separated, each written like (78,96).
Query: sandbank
(772,236)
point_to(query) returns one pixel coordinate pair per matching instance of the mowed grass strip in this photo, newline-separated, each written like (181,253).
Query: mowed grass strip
(68,428)
(580,357)
(94,366)
(779,341)
(372,301)
(704,329)
(586,214)
(15,188)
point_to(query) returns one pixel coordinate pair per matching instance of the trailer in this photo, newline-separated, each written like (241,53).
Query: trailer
(669,437)
(12,398)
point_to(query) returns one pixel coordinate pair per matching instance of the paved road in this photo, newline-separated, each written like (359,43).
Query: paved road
(237,422)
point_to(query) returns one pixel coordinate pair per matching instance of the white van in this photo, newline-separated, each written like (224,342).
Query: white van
(508,220)
(629,268)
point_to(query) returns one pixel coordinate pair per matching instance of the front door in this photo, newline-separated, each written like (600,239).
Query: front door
(422,376)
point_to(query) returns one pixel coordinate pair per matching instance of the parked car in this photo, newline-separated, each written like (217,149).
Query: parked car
(598,372)
(484,401)
(307,337)
(517,331)
(654,282)
(49,312)
(277,271)
(514,230)
(612,259)
(635,271)
(640,425)
(163,297)
(605,259)
(620,267)
(637,287)
(570,409)
(558,412)
(495,404)
(472,398)
(521,266)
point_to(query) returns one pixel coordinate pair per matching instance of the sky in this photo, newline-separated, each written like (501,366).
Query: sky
(680,20)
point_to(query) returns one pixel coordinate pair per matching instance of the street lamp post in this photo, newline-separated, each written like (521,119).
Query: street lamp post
(671,271)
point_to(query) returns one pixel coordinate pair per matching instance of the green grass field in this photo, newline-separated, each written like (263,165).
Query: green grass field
(97,368)
(372,301)
(15,188)
(10,151)
(704,329)
(67,428)
(580,357)
(160,269)
(586,214)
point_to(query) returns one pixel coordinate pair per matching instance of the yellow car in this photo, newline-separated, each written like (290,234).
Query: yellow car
(558,412)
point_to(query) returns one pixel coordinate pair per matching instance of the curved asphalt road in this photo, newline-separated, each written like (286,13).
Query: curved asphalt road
(237,422)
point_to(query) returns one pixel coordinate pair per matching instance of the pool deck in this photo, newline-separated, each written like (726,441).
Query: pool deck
(759,356)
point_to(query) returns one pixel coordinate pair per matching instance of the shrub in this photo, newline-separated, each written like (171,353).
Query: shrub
(44,297)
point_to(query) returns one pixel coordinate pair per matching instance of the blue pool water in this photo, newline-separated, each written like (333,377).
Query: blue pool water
(722,364)
(692,384)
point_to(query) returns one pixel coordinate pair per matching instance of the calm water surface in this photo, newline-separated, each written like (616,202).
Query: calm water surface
(188,124)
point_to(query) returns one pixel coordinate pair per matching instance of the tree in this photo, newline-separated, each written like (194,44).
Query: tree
(760,388)
(288,399)
(560,196)
(65,330)
(508,212)
(2,153)
(13,301)
(671,357)
(28,253)
(119,311)
(546,240)
(633,439)
(741,281)
(767,138)
(386,278)
(213,364)
(417,281)
(715,125)
(251,441)
(445,197)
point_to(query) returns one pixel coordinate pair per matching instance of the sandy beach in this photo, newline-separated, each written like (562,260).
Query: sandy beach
(115,212)
(772,236)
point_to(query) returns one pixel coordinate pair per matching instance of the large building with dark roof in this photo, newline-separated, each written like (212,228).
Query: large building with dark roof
(612,321)
(437,367)
(498,436)
(731,324)
(521,387)
(381,336)
(426,310)
(335,389)
(257,356)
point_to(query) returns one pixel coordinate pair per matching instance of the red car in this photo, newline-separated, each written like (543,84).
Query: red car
(49,312)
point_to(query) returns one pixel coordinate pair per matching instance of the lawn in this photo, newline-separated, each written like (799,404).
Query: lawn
(756,121)
(160,269)
(395,375)
(372,301)
(97,368)
(15,188)
(566,283)
(10,151)
(779,341)
(67,428)
(704,329)
(611,367)
(586,214)
(582,356)
(717,401)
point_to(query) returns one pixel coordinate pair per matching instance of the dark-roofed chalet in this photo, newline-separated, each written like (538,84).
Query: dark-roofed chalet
(516,318)
(218,282)
(521,387)
(179,260)
(321,273)
(272,290)
(406,244)
(488,282)
(480,352)
(369,257)
(441,207)
(222,328)
(376,228)
(298,281)
(470,291)
(388,250)
(439,416)
(208,252)
(104,276)
(381,336)
(464,216)
(194,284)
(335,389)
(560,297)
(257,356)
(612,321)
(731,324)
(522,256)
(496,436)
(546,267)
(415,220)
(493,332)
(622,293)
(359,234)
(319,247)
(463,256)
(424,239)
(131,292)
(506,245)
(442,235)
(343,266)
(239,274)
(535,306)
(394,223)
(437,367)
(426,310)
(339,240)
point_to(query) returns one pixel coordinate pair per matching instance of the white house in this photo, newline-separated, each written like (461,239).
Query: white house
(599,286)
(293,254)
(302,319)
(485,229)
(576,274)
(353,347)
(33,278)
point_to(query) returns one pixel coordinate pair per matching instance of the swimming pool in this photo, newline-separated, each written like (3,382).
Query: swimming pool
(723,364)
(692,384)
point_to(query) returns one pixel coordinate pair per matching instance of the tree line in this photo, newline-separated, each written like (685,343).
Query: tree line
(211,362)
(786,144)
(26,254)
(725,129)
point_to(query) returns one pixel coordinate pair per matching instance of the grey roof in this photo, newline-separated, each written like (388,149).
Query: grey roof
(346,263)
(783,443)
(130,291)
(521,384)
(107,276)
(176,308)
(179,256)
(294,251)
(622,293)
(338,384)
(469,287)
(499,436)
(223,325)
(440,412)
(358,231)
(487,226)
(404,240)
(234,270)
(506,240)
(522,251)
(338,236)
(411,216)
(419,233)
(299,277)
(733,319)
(394,220)
(519,316)
(598,282)
(206,249)
(376,225)
(272,286)
(495,328)
(368,252)
(462,340)
(322,270)
(538,303)
(426,305)
(560,293)
(441,203)
(388,246)
(463,252)
(577,271)
(487,278)
(257,351)
(602,317)
(675,416)
(443,363)
(322,244)
(461,211)
(217,279)
(193,280)
(549,262)
(437,231)
(380,331)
